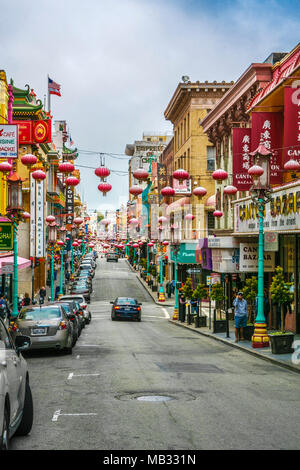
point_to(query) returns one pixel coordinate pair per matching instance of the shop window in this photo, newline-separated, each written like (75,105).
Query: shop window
(211,158)
(210,223)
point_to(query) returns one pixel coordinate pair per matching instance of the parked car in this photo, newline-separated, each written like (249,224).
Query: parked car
(79,316)
(16,406)
(126,307)
(112,257)
(48,327)
(81,291)
(82,302)
(73,317)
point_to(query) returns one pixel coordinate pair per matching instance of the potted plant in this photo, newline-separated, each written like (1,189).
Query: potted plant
(199,294)
(217,294)
(250,294)
(281,341)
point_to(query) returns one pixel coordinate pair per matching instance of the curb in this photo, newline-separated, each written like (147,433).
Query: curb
(233,345)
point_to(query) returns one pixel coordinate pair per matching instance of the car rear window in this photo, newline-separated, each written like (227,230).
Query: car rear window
(39,313)
(66,307)
(76,299)
(126,302)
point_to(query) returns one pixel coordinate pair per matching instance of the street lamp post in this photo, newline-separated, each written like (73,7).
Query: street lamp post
(15,208)
(260,193)
(61,244)
(175,247)
(52,235)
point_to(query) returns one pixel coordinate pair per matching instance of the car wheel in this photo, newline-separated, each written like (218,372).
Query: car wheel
(27,418)
(69,349)
(4,442)
(139,319)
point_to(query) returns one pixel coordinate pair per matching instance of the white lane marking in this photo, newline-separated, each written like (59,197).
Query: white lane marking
(165,312)
(58,413)
(77,357)
(80,375)
(153,316)
(90,345)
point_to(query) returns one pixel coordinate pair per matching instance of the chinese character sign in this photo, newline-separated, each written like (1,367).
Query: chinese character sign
(291,124)
(241,147)
(267,128)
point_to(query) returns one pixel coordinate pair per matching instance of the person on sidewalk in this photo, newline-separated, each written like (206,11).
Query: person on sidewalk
(26,300)
(240,316)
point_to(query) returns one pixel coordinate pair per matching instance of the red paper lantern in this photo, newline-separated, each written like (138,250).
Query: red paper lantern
(105,222)
(66,167)
(78,220)
(50,219)
(74,244)
(104,188)
(167,191)
(26,215)
(5,167)
(165,243)
(181,175)
(135,245)
(199,192)
(292,165)
(217,213)
(220,175)
(230,190)
(133,221)
(29,159)
(255,171)
(102,172)
(162,219)
(135,190)
(72,181)
(140,174)
(38,175)
(189,217)
(150,244)
(60,243)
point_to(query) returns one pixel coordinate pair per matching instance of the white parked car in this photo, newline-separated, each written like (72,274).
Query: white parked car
(16,408)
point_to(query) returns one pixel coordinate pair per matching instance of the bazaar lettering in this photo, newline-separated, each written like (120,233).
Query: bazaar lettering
(285,204)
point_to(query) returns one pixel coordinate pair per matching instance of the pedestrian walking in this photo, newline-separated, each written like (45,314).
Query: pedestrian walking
(194,303)
(240,316)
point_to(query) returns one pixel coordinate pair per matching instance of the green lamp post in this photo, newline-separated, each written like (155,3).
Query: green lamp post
(15,208)
(61,243)
(260,193)
(175,248)
(52,235)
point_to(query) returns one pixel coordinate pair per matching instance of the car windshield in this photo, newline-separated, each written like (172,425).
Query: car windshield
(39,313)
(126,301)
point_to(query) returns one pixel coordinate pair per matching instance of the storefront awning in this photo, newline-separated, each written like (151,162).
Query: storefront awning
(22,262)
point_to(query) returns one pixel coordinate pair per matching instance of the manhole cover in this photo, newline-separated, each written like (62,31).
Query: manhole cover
(155,398)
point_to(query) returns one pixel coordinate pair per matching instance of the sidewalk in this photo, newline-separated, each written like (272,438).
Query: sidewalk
(283,360)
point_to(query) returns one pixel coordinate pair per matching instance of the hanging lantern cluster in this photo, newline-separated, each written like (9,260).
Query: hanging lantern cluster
(102,172)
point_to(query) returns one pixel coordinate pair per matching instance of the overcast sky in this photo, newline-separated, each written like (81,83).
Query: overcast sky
(119,62)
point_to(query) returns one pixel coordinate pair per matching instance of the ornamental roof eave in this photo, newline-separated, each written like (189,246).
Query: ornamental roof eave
(25,104)
(256,72)
(69,152)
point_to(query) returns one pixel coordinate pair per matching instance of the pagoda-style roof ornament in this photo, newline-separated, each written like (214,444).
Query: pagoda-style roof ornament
(25,105)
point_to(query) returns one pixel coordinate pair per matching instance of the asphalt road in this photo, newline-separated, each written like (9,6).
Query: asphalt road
(220,398)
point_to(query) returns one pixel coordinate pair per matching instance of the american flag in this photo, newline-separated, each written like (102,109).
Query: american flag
(71,141)
(53,87)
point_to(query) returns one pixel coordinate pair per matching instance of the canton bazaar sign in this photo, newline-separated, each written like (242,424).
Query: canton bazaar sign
(281,213)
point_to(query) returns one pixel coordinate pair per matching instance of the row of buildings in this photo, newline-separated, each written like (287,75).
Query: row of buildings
(216,126)
(37,135)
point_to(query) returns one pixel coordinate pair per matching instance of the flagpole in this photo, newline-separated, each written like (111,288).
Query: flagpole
(48,93)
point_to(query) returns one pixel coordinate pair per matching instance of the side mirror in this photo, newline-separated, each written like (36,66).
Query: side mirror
(111,302)
(140,303)
(22,343)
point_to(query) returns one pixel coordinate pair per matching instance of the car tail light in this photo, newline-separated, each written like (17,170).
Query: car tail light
(138,308)
(116,307)
(84,305)
(62,325)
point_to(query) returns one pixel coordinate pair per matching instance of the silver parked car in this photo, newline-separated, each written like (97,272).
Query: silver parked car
(48,327)
(16,408)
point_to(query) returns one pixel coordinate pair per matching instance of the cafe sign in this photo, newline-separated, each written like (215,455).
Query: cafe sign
(6,236)
(281,213)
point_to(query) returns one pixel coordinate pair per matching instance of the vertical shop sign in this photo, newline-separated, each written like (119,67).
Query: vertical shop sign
(39,225)
(32,217)
(267,128)
(291,124)
(241,147)
(69,205)
(162,180)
